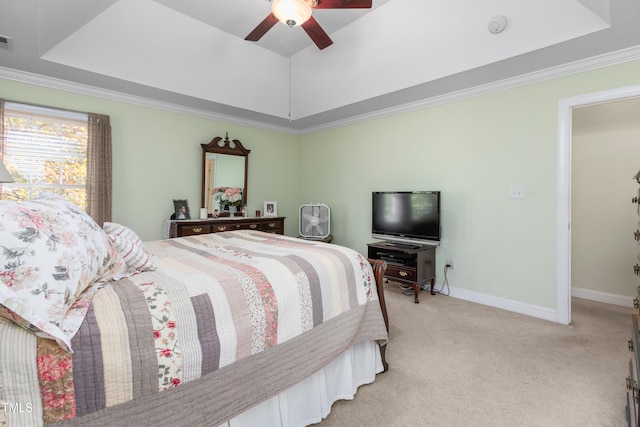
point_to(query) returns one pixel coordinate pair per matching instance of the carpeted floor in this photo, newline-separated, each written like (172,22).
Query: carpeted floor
(457,363)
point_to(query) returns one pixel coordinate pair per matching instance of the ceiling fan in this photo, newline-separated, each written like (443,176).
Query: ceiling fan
(298,12)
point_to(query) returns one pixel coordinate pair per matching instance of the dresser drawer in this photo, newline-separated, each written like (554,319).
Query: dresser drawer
(230,226)
(249,226)
(401,272)
(219,228)
(191,230)
(220,225)
(273,227)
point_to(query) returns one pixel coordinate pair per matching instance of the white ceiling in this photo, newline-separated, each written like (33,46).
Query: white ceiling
(192,53)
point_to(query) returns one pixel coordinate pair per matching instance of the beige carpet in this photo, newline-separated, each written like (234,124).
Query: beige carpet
(455,363)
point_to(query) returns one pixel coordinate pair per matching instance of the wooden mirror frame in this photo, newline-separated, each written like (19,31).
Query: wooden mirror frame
(234,147)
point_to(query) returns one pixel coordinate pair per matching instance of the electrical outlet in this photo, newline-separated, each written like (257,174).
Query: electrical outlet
(449,263)
(516,192)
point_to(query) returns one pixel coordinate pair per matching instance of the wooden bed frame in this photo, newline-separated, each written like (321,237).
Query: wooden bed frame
(379,268)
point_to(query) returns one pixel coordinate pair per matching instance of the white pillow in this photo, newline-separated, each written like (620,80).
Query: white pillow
(50,252)
(130,247)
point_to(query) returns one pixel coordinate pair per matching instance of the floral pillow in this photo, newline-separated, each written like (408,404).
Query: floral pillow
(129,245)
(51,252)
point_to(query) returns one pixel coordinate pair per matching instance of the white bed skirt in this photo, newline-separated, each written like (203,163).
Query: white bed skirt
(310,400)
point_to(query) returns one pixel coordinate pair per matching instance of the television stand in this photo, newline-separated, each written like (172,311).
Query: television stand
(401,245)
(410,264)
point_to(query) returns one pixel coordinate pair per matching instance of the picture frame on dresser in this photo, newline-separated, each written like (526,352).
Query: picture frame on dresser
(181,209)
(270,208)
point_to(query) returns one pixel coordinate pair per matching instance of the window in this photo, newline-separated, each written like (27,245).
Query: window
(60,151)
(45,149)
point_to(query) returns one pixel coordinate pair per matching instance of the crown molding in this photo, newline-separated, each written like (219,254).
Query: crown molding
(600,61)
(112,95)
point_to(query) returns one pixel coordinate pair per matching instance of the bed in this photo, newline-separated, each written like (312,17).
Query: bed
(235,328)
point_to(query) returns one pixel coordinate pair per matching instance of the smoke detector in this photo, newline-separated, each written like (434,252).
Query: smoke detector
(497,24)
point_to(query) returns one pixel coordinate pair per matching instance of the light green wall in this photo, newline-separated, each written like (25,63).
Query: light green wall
(229,171)
(157,157)
(472,150)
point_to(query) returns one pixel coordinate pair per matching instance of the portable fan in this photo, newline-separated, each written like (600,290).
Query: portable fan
(315,220)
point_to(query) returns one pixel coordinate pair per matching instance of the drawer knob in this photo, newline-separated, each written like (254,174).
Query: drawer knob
(253,226)
(222,227)
(403,273)
(272,224)
(197,229)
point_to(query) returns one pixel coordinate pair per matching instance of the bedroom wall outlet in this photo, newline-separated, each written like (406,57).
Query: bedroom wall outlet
(516,192)
(449,263)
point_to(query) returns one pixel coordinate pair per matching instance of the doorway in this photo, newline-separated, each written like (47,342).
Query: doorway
(565,110)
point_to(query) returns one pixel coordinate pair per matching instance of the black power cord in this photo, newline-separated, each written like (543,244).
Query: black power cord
(445,282)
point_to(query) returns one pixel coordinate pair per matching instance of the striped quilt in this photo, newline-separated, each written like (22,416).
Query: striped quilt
(216,302)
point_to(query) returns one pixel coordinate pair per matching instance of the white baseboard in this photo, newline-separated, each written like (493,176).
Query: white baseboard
(505,304)
(604,297)
(533,310)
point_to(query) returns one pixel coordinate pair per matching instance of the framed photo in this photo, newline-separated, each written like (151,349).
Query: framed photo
(270,208)
(181,209)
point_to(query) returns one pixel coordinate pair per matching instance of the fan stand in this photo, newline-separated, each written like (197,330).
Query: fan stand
(327,239)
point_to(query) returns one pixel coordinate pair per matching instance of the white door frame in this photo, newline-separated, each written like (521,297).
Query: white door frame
(565,107)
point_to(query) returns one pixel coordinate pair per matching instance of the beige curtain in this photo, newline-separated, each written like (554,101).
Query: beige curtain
(99,168)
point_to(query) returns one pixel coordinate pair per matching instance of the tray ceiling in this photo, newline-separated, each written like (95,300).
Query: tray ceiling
(193,53)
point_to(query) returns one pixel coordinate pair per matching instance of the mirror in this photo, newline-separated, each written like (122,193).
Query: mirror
(225,164)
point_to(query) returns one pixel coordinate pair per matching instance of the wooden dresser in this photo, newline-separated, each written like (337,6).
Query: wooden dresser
(632,411)
(273,224)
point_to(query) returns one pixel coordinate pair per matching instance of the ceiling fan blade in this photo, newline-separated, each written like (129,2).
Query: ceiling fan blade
(262,28)
(344,4)
(317,34)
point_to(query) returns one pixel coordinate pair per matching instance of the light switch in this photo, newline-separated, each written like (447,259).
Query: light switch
(516,192)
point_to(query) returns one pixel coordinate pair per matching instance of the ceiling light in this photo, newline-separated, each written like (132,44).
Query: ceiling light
(291,12)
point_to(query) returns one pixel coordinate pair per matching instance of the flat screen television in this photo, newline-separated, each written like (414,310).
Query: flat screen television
(406,217)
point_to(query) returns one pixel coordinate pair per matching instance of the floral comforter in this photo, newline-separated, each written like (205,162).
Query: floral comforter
(214,300)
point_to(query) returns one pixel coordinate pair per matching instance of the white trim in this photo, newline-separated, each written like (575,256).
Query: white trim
(565,107)
(533,310)
(46,111)
(608,59)
(563,304)
(604,297)
(504,304)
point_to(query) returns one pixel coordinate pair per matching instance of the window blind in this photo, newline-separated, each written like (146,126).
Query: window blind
(45,149)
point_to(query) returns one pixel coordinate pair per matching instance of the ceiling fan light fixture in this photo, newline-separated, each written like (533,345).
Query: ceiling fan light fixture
(291,12)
